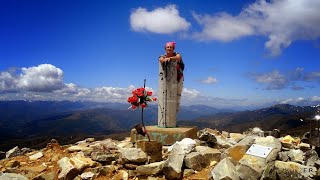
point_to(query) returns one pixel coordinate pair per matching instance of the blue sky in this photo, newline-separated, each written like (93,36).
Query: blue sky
(239,54)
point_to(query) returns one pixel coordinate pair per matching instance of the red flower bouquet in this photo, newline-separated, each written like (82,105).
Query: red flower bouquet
(140,97)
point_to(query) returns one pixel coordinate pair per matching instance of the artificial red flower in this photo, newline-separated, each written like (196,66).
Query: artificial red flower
(140,97)
(143,105)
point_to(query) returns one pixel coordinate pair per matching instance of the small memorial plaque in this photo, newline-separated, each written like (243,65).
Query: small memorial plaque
(259,150)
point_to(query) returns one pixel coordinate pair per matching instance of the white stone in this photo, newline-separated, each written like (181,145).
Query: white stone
(87,175)
(36,156)
(187,144)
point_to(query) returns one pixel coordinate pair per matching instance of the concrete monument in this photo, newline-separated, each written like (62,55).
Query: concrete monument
(167,96)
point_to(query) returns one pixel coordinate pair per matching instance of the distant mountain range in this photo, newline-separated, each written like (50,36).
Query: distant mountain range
(291,119)
(33,123)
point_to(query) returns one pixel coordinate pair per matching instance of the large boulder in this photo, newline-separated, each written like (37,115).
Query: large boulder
(172,167)
(103,157)
(196,161)
(12,176)
(207,135)
(80,162)
(150,169)
(208,153)
(187,144)
(133,155)
(252,167)
(236,152)
(269,172)
(13,152)
(67,169)
(295,171)
(225,169)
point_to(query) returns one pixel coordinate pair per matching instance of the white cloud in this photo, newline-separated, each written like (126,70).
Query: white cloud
(300,101)
(274,80)
(44,77)
(315,98)
(209,80)
(160,20)
(281,21)
(222,27)
(292,101)
(280,80)
(312,76)
(190,93)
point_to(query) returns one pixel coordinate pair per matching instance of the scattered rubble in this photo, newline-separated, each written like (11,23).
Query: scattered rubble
(215,155)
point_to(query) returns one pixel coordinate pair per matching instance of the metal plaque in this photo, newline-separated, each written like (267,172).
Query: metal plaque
(259,150)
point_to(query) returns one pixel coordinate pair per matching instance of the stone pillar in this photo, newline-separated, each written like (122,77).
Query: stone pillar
(167,96)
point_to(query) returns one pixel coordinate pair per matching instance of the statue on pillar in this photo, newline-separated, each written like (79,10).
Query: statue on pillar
(170,86)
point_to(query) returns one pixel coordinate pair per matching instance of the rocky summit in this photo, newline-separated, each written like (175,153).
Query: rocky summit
(213,155)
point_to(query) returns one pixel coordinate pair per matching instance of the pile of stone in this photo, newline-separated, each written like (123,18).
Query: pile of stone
(215,155)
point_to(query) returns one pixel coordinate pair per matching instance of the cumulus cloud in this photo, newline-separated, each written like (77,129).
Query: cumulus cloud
(44,77)
(281,21)
(209,80)
(165,20)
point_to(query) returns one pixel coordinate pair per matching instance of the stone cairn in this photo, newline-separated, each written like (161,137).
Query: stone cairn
(214,155)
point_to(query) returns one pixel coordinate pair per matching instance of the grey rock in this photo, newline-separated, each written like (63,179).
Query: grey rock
(254,131)
(236,136)
(296,155)
(80,162)
(283,156)
(79,148)
(13,152)
(12,176)
(252,167)
(67,170)
(208,153)
(134,155)
(25,150)
(196,161)
(222,143)
(311,158)
(205,135)
(225,169)
(45,176)
(247,141)
(269,172)
(292,170)
(173,165)
(103,156)
(150,169)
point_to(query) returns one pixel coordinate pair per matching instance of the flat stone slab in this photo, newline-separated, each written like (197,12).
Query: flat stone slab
(167,136)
